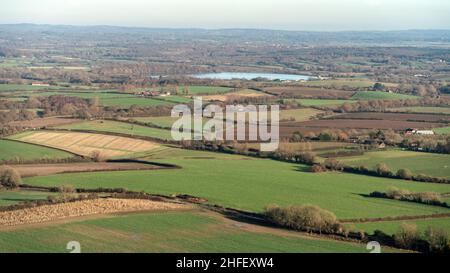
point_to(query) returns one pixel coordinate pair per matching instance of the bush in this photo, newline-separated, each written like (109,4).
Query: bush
(405,174)
(9,177)
(438,239)
(97,156)
(66,189)
(306,218)
(333,164)
(383,170)
(317,168)
(407,236)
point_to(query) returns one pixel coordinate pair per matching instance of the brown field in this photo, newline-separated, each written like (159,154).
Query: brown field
(81,208)
(45,122)
(85,143)
(310,92)
(395,116)
(30,170)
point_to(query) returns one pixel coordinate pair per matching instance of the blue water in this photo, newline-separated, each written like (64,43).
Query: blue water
(251,76)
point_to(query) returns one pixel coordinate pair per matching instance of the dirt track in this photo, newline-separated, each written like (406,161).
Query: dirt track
(49,169)
(82,208)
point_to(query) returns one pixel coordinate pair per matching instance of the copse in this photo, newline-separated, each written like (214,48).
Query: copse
(9,177)
(307,218)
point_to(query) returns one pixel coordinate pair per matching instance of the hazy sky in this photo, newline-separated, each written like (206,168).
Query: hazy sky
(274,14)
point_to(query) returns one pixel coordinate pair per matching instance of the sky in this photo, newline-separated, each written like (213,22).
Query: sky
(324,15)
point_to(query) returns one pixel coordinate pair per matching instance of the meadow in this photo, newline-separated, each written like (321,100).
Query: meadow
(391,227)
(17,150)
(12,197)
(419,163)
(322,102)
(165,232)
(379,95)
(195,90)
(121,128)
(442,131)
(252,184)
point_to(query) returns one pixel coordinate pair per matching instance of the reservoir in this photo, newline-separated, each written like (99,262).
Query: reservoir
(251,76)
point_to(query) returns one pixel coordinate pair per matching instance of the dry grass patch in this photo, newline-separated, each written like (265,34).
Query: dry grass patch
(86,144)
(82,208)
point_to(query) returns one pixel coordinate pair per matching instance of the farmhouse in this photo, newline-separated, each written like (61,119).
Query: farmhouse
(410,132)
(40,84)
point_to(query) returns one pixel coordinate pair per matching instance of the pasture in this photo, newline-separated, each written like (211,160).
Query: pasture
(442,131)
(86,144)
(197,90)
(251,184)
(12,197)
(121,128)
(379,95)
(419,163)
(322,102)
(165,232)
(13,150)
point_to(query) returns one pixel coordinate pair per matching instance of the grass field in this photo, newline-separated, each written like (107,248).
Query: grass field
(419,163)
(17,150)
(85,143)
(302,114)
(12,197)
(195,90)
(120,127)
(251,184)
(320,102)
(426,110)
(128,102)
(442,131)
(26,87)
(391,227)
(339,83)
(379,95)
(164,232)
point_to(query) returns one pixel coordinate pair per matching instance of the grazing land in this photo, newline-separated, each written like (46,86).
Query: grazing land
(252,184)
(395,116)
(44,122)
(378,95)
(86,144)
(12,197)
(321,102)
(166,232)
(13,150)
(419,163)
(442,131)
(310,92)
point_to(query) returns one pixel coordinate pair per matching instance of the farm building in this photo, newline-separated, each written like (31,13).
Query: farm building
(409,132)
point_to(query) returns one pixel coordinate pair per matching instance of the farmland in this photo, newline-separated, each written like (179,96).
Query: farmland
(378,95)
(251,184)
(23,87)
(395,116)
(418,163)
(302,114)
(442,131)
(425,110)
(121,128)
(12,197)
(12,150)
(310,92)
(165,232)
(321,102)
(86,144)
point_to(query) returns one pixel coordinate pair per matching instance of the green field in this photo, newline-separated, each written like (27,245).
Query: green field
(379,95)
(16,196)
(391,227)
(120,127)
(302,114)
(195,90)
(17,150)
(128,102)
(26,87)
(251,184)
(339,83)
(322,102)
(442,130)
(164,121)
(419,163)
(425,110)
(164,232)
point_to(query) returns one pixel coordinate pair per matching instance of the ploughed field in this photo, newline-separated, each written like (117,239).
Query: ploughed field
(86,144)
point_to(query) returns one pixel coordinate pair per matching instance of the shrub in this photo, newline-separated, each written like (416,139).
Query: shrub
(9,177)
(405,174)
(438,239)
(97,156)
(317,168)
(383,170)
(333,164)
(407,236)
(306,218)
(66,189)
